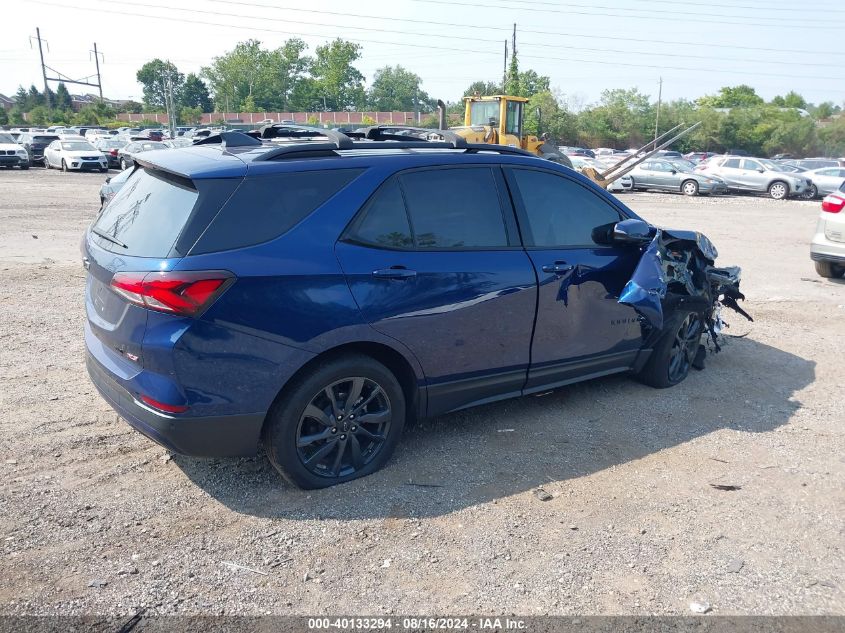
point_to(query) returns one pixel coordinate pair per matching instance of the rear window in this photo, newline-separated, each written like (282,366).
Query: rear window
(146,216)
(45,139)
(265,207)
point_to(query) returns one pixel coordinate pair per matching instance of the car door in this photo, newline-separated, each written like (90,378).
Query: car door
(51,153)
(753,175)
(664,177)
(434,261)
(828,180)
(730,171)
(646,175)
(581,329)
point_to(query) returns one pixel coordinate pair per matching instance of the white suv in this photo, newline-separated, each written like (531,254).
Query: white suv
(755,174)
(828,246)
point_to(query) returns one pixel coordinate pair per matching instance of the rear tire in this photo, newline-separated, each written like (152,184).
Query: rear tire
(675,351)
(122,165)
(24,167)
(810,193)
(778,190)
(829,270)
(304,425)
(689,188)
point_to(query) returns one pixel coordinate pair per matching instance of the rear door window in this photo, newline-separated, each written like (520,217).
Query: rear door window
(731,163)
(265,207)
(454,208)
(384,221)
(146,216)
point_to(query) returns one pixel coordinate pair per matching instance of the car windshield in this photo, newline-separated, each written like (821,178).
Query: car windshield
(77,146)
(145,147)
(770,165)
(6,138)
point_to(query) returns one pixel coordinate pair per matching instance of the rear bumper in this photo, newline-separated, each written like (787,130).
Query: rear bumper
(214,436)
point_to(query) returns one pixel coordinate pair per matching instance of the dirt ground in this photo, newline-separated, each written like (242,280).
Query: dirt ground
(95,518)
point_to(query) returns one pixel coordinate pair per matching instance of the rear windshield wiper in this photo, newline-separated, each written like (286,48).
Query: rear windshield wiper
(108,237)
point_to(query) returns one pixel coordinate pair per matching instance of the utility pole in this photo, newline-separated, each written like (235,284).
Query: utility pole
(97,61)
(657,117)
(505,68)
(168,101)
(43,66)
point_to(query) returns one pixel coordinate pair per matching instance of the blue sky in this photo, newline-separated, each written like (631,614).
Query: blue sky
(585,46)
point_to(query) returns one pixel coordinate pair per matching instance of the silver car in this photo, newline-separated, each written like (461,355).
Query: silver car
(666,176)
(755,174)
(828,246)
(825,180)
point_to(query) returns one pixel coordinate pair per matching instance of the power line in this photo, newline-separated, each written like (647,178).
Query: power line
(428,46)
(451,3)
(465,38)
(674,3)
(528,30)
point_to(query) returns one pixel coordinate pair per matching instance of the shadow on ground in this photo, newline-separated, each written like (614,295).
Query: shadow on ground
(490,452)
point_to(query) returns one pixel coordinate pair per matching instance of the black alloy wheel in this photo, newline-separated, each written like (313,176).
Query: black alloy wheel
(344,427)
(684,348)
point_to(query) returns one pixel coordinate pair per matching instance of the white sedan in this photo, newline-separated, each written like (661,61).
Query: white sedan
(74,154)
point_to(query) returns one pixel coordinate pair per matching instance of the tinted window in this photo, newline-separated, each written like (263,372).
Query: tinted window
(731,162)
(265,207)
(146,215)
(454,208)
(561,212)
(750,164)
(384,221)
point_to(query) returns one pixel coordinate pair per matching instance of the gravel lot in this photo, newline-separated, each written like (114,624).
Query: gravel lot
(94,518)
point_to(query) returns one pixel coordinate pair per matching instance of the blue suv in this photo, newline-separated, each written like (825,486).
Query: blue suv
(321,291)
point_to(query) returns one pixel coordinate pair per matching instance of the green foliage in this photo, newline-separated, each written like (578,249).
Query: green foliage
(195,94)
(190,116)
(367,121)
(313,120)
(395,88)
(35,98)
(338,84)
(483,88)
(132,106)
(248,104)
(742,96)
(40,115)
(4,117)
(824,110)
(555,121)
(16,116)
(154,77)
(62,99)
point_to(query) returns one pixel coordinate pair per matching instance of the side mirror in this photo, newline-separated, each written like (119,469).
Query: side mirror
(760,169)
(631,231)
(674,171)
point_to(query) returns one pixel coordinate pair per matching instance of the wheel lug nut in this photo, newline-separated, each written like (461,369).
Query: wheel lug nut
(352,416)
(340,417)
(343,437)
(334,430)
(354,428)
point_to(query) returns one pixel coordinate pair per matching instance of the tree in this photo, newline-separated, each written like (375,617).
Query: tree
(40,115)
(16,115)
(194,94)
(530,83)
(191,116)
(793,100)
(338,84)
(154,77)
(824,110)
(742,96)
(4,117)
(22,99)
(512,80)
(34,98)
(395,88)
(131,106)
(63,100)
(557,122)
(289,86)
(482,88)
(238,74)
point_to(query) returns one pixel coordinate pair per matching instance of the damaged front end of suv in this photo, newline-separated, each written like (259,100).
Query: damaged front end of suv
(679,294)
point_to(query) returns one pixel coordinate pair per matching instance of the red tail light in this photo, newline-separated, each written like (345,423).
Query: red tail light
(161,406)
(186,293)
(113,152)
(833,203)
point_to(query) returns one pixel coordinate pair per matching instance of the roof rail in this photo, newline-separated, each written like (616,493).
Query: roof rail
(277,130)
(229,139)
(314,150)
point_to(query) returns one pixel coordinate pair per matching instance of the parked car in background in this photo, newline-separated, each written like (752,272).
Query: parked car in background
(827,249)
(665,176)
(126,154)
(12,153)
(179,141)
(577,151)
(110,147)
(35,142)
(668,153)
(697,157)
(814,163)
(71,154)
(825,180)
(754,175)
(112,185)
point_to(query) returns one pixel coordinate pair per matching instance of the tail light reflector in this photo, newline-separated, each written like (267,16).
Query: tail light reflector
(833,203)
(161,406)
(186,293)
(113,152)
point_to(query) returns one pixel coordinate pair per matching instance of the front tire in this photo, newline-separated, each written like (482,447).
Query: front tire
(122,165)
(64,165)
(689,188)
(675,351)
(810,193)
(340,421)
(778,190)
(829,270)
